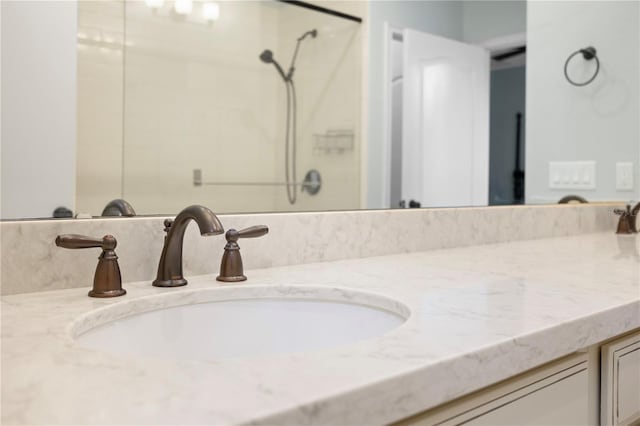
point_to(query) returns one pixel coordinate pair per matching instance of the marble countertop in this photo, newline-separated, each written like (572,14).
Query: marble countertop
(477,315)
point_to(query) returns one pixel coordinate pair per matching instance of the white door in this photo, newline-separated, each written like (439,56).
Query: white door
(445,127)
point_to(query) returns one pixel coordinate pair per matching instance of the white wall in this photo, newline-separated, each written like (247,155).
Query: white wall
(486,19)
(597,122)
(38,107)
(442,18)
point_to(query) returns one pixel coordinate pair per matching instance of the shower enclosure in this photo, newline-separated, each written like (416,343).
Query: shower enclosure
(291,133)
(204,120)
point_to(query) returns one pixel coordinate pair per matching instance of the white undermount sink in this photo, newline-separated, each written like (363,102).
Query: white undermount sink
(238,322)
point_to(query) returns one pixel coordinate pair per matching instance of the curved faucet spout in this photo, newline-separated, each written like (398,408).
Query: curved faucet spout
(118,207)
(170,265)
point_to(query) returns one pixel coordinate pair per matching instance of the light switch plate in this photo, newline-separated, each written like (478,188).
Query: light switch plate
(572,174)
(624,176)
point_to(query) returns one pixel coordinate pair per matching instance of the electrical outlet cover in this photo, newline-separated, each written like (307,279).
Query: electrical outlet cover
(624,176)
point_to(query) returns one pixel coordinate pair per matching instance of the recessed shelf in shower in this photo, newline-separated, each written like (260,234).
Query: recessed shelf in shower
(334,141)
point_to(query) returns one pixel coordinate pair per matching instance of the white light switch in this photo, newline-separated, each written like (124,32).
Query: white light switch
(572,174)
(624,176)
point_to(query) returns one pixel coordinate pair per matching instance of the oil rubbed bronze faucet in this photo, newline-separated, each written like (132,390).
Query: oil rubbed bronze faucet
(118,207)
(107,281)
(627,221)
(633,216)
(170,265)
(231,269)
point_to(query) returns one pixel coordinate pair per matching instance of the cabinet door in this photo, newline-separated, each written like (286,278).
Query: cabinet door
(561,403)
(620,385)
(556,394)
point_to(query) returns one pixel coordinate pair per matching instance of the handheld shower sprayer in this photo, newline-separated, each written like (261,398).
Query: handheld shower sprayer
(267,57)
(290,131)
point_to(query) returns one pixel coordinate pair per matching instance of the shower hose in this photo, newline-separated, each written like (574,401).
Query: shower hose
(290,143)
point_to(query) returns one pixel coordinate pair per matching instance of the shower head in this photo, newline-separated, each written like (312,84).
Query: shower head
(313,33)
(267,57)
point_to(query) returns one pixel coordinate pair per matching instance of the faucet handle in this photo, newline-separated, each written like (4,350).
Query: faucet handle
(107,281)
(231,269)
(73,241)
(633,216)
(625,225)
(251,232)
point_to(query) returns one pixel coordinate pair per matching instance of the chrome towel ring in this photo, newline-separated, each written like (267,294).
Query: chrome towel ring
(588,53)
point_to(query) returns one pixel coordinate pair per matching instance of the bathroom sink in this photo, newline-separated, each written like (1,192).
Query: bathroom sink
(238,322)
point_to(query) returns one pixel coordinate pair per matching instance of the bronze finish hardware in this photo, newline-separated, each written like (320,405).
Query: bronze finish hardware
(625,222)
(118,207)
(572,199)
(107,281)
(170,265)
(231,269)
(632,219)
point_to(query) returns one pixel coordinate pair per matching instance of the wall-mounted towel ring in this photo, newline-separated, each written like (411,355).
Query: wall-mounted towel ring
(588,53)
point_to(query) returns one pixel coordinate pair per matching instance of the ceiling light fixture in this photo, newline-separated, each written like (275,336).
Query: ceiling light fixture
(183,7)
(210,11)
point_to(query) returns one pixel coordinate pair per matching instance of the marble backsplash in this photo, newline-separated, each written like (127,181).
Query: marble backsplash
(30,261)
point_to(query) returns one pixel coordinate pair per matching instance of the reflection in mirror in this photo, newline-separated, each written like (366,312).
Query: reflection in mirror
(166,104)
(241,101)
(231,104)
(440,113)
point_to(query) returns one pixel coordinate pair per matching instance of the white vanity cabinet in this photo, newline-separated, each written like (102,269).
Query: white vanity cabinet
(620,381)
(554,394)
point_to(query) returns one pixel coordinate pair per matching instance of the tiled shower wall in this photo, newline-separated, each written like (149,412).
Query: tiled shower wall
(328,76)
(100,49)
(160,95)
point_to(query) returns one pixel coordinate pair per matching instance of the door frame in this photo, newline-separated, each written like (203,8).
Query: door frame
(389,32)
(505,42)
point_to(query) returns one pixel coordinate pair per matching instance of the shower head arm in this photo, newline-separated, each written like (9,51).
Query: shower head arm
(312,33)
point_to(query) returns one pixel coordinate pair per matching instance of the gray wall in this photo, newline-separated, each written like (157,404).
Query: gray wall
(507,98)
(483,20)
(596,122)
(436,17)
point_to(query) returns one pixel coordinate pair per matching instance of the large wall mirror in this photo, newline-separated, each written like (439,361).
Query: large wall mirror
(263,106)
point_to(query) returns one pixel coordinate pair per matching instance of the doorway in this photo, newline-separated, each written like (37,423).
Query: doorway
(502,175)
(437,121)
(507,120)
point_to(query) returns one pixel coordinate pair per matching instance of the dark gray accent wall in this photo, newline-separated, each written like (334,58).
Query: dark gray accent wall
(507,99)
